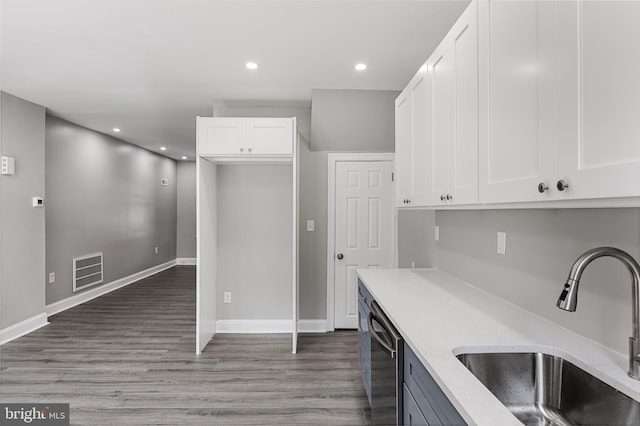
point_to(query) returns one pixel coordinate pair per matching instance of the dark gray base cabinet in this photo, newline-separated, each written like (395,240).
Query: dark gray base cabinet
(423,402)
(364,340)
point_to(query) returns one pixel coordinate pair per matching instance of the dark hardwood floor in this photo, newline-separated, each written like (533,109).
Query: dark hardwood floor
(128,358)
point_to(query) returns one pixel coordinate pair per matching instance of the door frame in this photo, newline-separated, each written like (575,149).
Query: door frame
(333,159)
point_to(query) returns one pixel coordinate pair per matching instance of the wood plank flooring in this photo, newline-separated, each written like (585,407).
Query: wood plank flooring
(128,358)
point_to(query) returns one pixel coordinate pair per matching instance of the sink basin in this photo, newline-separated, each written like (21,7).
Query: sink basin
(541,389)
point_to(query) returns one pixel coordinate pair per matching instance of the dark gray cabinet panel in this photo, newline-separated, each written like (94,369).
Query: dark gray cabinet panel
(364,340)
(411,414)
(431,401)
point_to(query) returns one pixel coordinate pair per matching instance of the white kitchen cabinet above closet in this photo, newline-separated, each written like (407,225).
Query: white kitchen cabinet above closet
(222,136)
(453,124)
(412,150)
(559,100)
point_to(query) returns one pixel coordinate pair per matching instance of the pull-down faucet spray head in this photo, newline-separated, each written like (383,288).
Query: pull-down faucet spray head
(568,300)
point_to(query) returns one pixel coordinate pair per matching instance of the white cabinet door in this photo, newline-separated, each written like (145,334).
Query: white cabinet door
(599,101)
(221,136)
(420,122)
(269,136)
(404,118)
(464,152)
(440,65)
(454,124)
(517,99)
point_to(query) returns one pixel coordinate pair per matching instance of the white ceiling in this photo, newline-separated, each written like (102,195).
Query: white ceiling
(150,66)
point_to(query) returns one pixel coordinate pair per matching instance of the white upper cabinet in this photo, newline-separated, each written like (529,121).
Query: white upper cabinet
(411,151)
(516,93)
(453,72)
(559,100)
(222,136)
(599,99)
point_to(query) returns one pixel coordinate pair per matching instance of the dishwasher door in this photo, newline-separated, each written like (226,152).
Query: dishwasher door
(386,369)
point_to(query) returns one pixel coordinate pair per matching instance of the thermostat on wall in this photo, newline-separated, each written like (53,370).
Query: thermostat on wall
(38,202)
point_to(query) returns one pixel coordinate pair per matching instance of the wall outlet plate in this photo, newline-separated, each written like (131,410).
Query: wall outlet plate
(227,297)
(311,225)
(52,277)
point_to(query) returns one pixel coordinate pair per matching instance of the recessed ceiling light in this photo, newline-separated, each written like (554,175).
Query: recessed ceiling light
(184,157)
(251,65)
(361,67)
(162,148)
(115,129)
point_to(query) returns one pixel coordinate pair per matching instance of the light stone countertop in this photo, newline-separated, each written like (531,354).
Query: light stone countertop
(440,316)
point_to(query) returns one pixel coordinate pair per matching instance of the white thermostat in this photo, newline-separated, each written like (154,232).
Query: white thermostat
(8,165)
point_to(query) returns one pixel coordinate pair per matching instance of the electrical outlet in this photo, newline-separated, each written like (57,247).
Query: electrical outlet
(311,225)
(502,243)
(156,250)
(227,297)
(52,277)
(436,233)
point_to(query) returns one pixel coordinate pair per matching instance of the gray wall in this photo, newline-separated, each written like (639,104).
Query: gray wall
(105,195)
(186,227)
(22,227)
(541,246)
(255,257)
(353,120)
(416,245)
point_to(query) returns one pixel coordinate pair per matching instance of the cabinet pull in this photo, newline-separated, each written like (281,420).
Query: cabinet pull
(449,197)
(442,197)
(562,185)
(241,149)
(542,187)
(249,149)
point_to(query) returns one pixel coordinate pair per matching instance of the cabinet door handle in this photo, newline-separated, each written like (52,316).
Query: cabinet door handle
(542,187)
(442,197)
(562,185)
(449,197)
(241,149)
(249,149)
(340,256)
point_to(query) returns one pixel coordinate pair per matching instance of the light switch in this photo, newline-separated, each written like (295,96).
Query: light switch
(311,225)
(502,243)
(436,233)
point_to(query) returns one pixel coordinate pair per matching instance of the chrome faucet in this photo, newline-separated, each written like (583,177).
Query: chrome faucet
(568,299)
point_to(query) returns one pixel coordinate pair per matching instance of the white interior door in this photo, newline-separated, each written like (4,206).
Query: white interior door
(363,231)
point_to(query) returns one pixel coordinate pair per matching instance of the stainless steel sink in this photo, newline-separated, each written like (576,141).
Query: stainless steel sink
(542,389)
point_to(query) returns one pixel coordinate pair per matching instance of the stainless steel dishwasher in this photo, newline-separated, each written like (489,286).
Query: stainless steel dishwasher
(386,369)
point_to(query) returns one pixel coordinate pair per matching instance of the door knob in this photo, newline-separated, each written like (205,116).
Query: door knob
(562,185)
(340,256)
(542,187)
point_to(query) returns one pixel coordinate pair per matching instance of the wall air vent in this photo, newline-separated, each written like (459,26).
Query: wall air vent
(87,271)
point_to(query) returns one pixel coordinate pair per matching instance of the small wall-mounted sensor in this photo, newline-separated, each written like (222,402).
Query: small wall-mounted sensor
(164,182)
(8,165)
(37,202)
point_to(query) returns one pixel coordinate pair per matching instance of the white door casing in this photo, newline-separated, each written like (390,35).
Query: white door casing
(364,229)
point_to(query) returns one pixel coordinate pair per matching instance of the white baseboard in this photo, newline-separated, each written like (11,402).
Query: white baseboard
(253,326)
(85,296)
(23,327)
(312,326)
(186,261)
(270,326)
